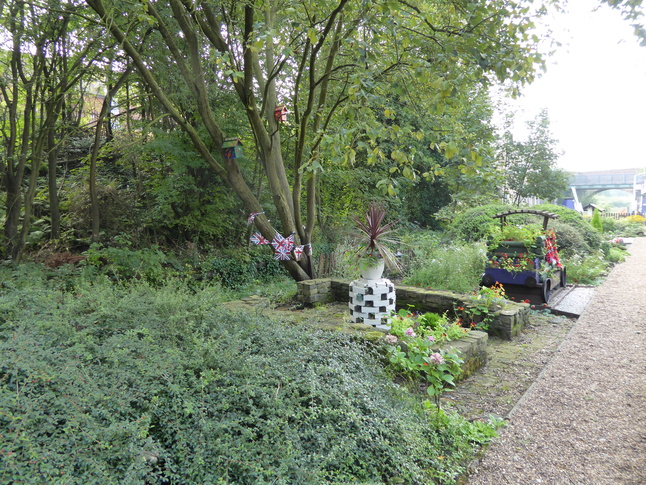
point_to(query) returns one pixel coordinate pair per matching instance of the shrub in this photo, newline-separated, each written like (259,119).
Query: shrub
(111,384)
(586,270)
(572,218)
(476,224)
(635,219)
(124,263)
(237,269)
(629,227)
(596,220)
(455,268)
(569,239)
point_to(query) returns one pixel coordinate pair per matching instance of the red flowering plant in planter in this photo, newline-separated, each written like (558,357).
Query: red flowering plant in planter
(551,253)
(375,235)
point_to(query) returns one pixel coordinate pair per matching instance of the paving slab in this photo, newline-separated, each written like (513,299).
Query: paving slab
(571,301)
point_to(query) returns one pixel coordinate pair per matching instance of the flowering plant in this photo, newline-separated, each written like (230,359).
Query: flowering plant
(374,231)
(618,241)
(479,308)
(551,253)
(431,326)
(419,361)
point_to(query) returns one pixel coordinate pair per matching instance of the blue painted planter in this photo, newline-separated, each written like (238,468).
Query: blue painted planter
(527,278)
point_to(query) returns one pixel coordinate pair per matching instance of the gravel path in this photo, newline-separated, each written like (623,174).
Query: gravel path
(584,419)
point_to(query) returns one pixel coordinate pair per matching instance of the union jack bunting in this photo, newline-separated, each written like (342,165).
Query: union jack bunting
(278,242)
(282,244)
(290,242)
(252,216)
(281,256)
(298,252)
(258,238)
(308,246)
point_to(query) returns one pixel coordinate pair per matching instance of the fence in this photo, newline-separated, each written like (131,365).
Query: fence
(615,215)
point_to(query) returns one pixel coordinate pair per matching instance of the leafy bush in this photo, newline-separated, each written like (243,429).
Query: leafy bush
(124,263)
(572,218)
(629,227)
(569,239)
(586,270)
(242,268)
(616,255)
(476,224)
(104,383)
(457,267)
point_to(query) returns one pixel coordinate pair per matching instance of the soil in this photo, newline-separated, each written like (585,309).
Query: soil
(494,389)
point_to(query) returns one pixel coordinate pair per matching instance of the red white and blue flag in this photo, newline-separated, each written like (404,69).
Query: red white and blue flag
(282,244)
(258,238)
(252,216)
(281,256)
(298,252)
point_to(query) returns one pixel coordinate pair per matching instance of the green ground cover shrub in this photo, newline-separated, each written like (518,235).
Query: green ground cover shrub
(130,383)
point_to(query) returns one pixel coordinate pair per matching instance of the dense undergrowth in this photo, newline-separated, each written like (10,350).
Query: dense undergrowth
(126,382)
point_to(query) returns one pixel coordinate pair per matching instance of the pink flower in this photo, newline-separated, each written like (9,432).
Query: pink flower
(391,339)
(410,332)
(437,359)
(431,338)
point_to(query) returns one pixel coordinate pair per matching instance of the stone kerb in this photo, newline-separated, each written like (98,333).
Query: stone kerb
(506,323)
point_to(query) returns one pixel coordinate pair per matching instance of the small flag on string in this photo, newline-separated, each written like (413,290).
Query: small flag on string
(308,247)
(258,238)
(283,244)
(298,252)
(281,256)
(290,242)
(252,216)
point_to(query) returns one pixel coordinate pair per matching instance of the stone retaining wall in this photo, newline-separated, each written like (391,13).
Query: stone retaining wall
(506,323)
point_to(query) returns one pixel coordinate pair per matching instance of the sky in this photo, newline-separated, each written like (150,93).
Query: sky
(594,90)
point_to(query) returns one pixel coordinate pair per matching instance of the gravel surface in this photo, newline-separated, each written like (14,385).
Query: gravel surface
(583,421)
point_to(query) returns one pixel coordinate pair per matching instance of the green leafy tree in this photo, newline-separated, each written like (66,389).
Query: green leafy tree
(50,50)
(530,166)
(331,64)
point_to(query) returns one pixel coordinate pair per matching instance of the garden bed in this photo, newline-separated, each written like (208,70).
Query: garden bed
(505,323)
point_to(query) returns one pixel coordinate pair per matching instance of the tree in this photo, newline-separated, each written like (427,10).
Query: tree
(37,76)
(632,11)
(327,62)
(530,166)
(596,220)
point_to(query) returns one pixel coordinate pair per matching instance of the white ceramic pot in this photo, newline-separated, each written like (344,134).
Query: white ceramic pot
(371,269)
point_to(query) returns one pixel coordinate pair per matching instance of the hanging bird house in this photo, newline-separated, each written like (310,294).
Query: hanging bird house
(280,113)
(232,148)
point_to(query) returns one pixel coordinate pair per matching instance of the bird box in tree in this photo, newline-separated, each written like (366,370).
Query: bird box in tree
(280,113)
(232,148)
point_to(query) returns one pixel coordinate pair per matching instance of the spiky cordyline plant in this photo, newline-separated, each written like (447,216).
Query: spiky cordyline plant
(371,226)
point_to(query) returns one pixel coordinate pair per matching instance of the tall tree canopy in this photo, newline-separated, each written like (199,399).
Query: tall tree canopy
(336,65)
(530,165)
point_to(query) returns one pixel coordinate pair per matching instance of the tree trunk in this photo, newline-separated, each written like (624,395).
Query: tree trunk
(52,160)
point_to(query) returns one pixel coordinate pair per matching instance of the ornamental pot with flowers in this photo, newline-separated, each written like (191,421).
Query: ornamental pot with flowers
(373,254)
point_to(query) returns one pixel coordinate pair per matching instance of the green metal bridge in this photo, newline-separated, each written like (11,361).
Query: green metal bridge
(630,180)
